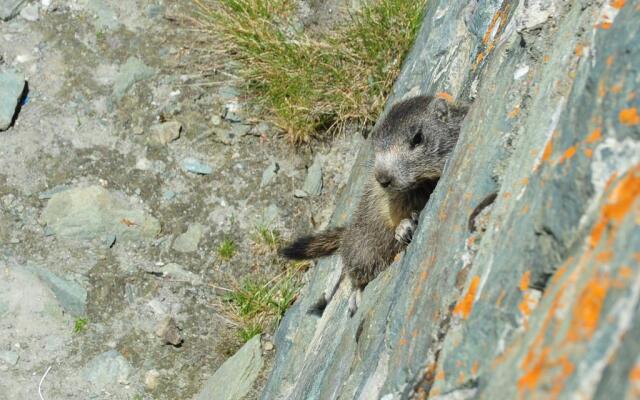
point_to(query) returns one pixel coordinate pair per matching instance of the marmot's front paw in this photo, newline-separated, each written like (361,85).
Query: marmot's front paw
(405,229)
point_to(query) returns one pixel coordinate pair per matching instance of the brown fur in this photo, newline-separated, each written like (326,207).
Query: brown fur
(411,146)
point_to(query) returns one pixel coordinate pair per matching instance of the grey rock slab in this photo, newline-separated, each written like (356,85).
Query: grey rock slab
(166,132)
(71,295)
(188,241)
(543,304)
(131,72)
(11,88)
(95,213)
(10,8)
(107,369)
(313,182)
(105,16)
(269,173)
(195,166)
(234,379)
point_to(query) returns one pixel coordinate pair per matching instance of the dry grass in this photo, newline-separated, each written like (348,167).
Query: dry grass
(308,86)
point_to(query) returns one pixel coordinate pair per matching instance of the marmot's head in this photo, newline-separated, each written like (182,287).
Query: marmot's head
(414,141)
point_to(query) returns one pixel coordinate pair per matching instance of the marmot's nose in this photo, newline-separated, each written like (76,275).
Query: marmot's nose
(383,179)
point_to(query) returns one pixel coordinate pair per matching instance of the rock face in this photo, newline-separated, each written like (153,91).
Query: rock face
(541,299)
(234,379)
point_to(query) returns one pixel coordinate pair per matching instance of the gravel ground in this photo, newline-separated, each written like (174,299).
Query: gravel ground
(124,169)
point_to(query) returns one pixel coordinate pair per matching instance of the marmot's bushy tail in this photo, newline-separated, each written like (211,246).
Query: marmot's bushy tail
(320,245)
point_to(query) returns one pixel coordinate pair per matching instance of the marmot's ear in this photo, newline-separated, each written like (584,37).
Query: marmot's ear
(441,107)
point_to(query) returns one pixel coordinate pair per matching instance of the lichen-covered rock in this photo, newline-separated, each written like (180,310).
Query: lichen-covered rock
(541,300)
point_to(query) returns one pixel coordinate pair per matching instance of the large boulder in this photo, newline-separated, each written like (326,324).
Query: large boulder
(541,300)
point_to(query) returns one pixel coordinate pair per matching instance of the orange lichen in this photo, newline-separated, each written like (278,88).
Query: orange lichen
(548,149)
(475,368)
(524,181)
(546,58)
(532,375)
(464,307)
(579,50)
(588,153)
(586,312)
(617,88)
(618,204)
(604,25)
(618,4)
(634,374)
(610,60)
(445,96)
(524,282)
(514,112)
(625,272)
(570,152)
(629,116)
(439,375)
(604,257)
(594,136)
(403,342)
(602,90)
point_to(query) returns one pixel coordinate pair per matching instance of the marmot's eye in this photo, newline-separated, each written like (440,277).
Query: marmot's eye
(416,139)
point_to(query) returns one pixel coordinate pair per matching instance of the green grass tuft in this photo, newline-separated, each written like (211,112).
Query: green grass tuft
(80,325)
(258,305)
(309,85)
(227,249)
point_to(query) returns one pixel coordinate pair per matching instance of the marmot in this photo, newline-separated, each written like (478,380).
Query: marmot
(411,146)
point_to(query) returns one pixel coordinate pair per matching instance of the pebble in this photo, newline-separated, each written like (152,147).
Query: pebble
(166,132)
(195,166)
(31,12)
(107,369)
(269,173)
(188,241)
(151,379)
(168,331)
(12,87)
(216,120)
(9,357)
(131,72)
(10,8)
(299,193)
(267,346)
(313,182)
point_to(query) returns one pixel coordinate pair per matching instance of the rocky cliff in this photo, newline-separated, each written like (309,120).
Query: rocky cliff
(540,299)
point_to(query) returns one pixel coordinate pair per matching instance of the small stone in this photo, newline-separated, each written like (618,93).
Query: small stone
(269,173)
(131,72)
(166,132)
(194,166)
(178,273)
(232,112)
(168,195)
(9,357)
(267,346)
(168,331)
(151,379)
(107,369)
(299,193)
(216,120)
(10,8)
(313,182)
(188,241)
(12,87)
(72,296)
(31,12)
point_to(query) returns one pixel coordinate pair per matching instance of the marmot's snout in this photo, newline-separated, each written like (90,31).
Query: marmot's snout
(386,171)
